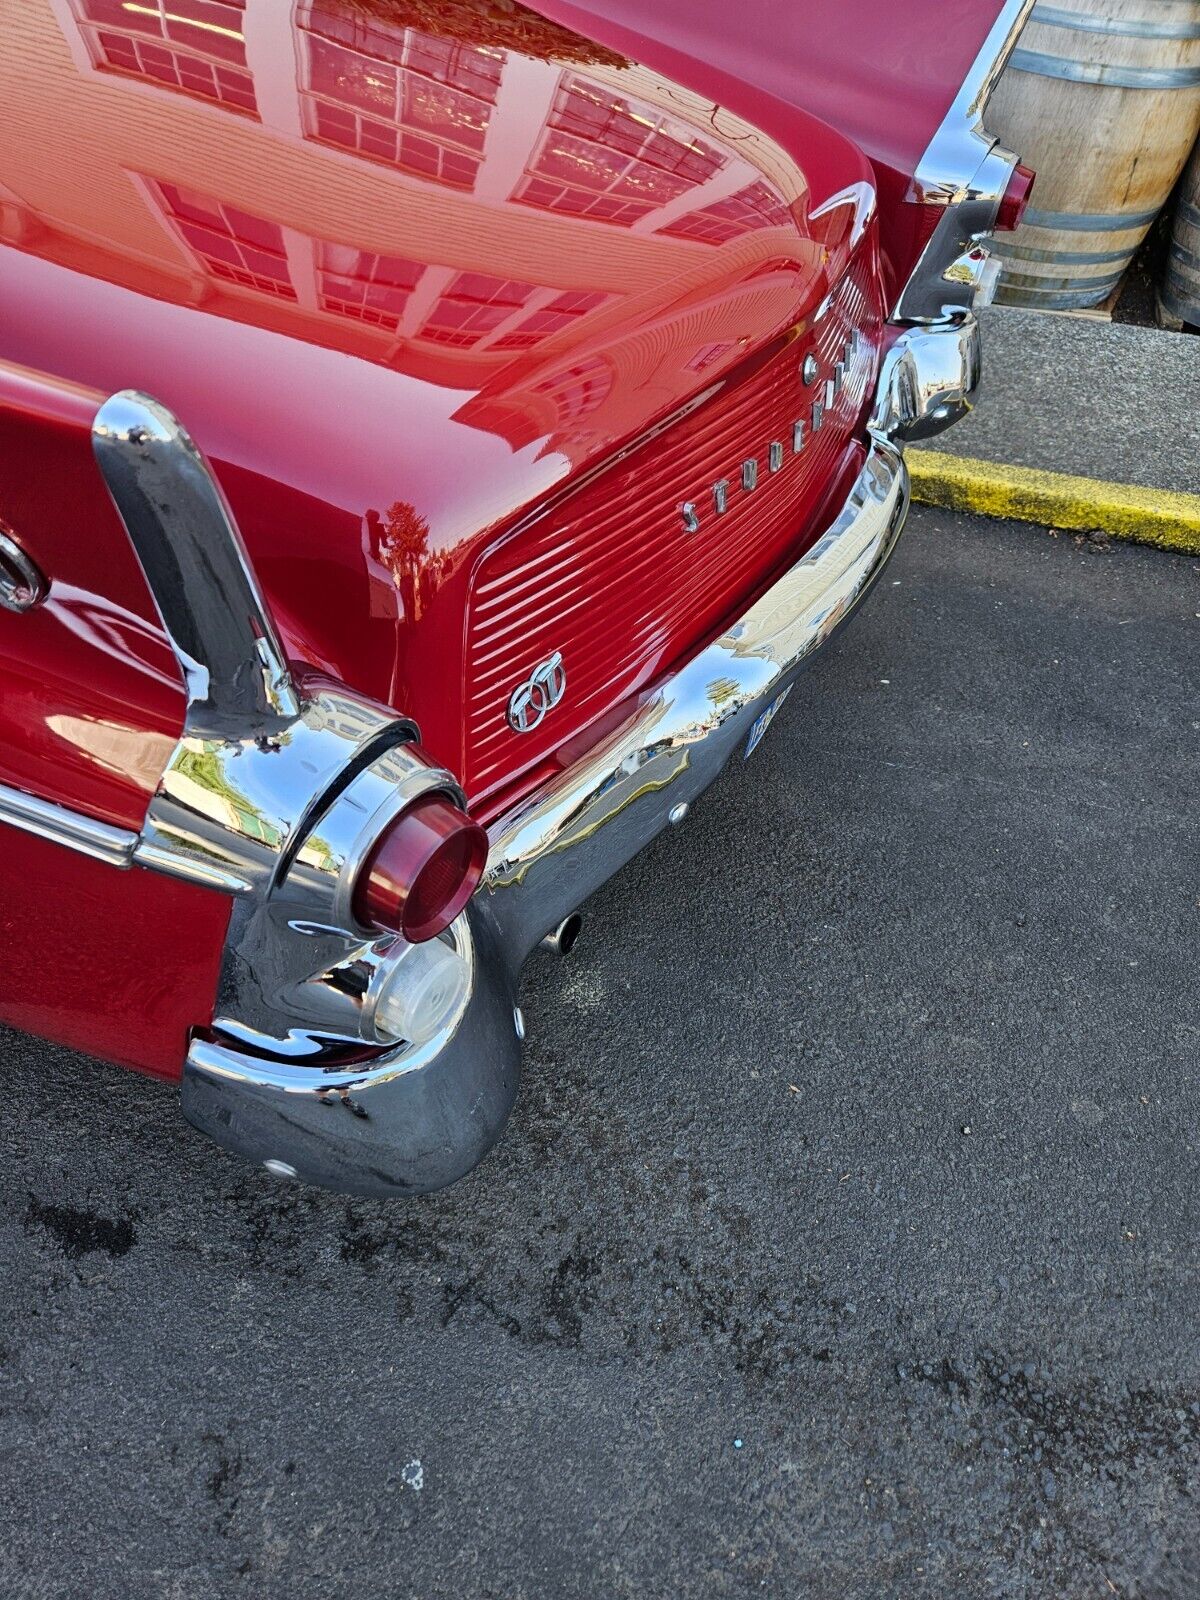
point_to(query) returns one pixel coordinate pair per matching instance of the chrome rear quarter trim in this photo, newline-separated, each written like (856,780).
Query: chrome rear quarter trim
(966,171)
(956,151)
(87,837)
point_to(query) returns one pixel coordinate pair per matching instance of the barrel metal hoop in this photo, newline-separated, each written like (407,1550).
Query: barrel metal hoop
(1028,282)
(1090,221)
(1071,258)
(1129,28)
(1070,300)
(1107,75)
(1180,300)
(1181,253)
(1189,213)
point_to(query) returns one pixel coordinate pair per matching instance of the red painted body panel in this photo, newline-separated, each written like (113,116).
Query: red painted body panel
(117,964)
(91,702)
(374,269)
(881,72)
(617,587)
(383,359)
(884,74)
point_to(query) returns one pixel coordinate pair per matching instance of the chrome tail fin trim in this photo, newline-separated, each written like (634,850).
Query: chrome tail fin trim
(235,672)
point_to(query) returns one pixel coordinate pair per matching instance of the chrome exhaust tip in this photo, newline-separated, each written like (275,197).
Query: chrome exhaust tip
(561,940)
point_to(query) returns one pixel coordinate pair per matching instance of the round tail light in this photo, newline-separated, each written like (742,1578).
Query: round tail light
(1016,198)
(423,870)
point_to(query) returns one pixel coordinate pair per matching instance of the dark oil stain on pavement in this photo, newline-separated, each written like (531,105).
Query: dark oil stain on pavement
(79,1232)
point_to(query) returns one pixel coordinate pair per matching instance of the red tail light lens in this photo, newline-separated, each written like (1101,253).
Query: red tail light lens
(1016,198)
(423,871)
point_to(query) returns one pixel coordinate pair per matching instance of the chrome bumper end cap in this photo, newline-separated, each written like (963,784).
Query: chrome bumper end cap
(929,380)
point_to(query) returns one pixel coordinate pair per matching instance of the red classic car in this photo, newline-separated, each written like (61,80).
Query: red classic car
(435,435)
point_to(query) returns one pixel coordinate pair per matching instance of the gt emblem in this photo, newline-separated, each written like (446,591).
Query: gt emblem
(541,692)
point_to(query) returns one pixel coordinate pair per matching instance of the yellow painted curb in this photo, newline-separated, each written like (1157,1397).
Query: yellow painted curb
(1159,517)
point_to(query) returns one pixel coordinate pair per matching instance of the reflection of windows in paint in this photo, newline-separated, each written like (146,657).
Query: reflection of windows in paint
(579,390)
(560,313)
(612,159)
(472,307)
(542,410)
(417,102)
(757,206)
(195,46)
(708,354)
(361,284)
(232,244)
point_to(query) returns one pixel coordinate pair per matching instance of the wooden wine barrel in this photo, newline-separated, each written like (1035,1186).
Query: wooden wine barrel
(1179,297)
(1102,99)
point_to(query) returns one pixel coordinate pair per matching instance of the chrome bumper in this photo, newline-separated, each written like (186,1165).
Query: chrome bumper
(291,1074)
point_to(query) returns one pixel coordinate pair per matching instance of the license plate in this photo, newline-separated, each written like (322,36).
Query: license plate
(763,722)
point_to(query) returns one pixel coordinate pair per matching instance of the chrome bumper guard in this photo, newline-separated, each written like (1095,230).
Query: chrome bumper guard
(296,1071)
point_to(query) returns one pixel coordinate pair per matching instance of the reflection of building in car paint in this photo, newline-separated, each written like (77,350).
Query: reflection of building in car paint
(538,233)
(612,159)
(229,242)
(756,206)
(195,46)
(472,308)
(397,95)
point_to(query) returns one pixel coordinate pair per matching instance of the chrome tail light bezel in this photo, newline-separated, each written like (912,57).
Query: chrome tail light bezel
(966,172)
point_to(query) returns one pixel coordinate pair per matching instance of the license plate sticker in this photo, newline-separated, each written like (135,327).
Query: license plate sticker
(763,721)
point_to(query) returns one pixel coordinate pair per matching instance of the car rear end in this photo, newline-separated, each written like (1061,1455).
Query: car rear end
(627,635)
(663,551)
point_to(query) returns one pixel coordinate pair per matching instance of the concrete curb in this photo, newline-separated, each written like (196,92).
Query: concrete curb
(1166,518)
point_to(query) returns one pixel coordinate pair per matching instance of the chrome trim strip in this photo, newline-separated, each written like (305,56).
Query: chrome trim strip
(1129,28)
(233,665)
(954,153)
(1107,75)
(1089,221)
(967,172)
(86,836)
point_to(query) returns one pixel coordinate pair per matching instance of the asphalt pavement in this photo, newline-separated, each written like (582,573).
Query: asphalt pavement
(843,1242)
(1102,400)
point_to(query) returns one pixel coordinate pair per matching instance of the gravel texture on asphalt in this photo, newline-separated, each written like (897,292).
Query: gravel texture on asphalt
(843,1241)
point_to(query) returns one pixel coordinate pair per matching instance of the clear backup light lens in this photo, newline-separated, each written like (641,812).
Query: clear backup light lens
(423,870)
(421,992)
(988,282)
(1016,198)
